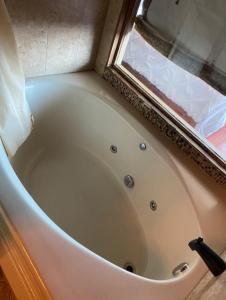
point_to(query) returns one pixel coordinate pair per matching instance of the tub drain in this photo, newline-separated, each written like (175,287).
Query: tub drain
(180,269)
(129,267)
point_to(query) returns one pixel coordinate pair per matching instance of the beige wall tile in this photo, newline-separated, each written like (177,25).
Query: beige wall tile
(32,51)
(62,47)
(57,36)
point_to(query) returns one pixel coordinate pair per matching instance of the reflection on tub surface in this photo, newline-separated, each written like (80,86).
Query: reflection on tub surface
(69,168)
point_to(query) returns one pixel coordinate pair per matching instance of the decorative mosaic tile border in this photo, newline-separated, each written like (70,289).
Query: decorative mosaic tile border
(164,127)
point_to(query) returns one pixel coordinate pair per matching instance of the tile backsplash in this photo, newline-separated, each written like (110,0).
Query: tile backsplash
(57,36)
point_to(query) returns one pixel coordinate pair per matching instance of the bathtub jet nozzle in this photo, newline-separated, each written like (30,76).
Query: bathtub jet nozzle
(129,181)
(213,261)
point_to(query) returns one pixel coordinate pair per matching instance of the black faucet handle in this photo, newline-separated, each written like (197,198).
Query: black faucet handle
(213,261)
(194,244)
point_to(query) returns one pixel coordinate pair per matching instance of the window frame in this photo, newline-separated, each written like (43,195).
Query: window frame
(202,153)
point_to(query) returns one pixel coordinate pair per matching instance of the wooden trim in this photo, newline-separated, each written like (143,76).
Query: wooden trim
(17,265)
(127,13)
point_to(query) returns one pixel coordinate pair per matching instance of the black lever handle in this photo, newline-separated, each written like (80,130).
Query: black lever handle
(213,261)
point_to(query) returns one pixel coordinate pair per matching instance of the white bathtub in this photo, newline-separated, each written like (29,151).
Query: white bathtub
(88,225)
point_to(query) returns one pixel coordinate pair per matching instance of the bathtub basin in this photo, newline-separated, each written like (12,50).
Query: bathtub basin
(105,202)
(74,166)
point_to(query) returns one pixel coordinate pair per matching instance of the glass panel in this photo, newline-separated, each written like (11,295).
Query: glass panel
(177,49)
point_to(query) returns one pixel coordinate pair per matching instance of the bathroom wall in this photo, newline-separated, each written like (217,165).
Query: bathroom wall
(57,36)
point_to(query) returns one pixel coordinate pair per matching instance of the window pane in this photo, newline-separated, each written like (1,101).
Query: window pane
(178,50)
